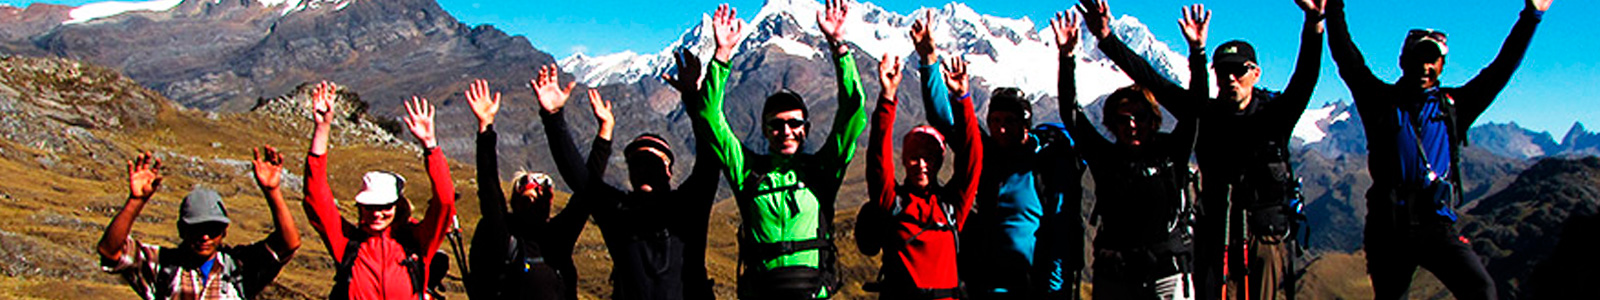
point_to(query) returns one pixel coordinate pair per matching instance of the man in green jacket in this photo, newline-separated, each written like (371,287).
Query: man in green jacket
(785,197)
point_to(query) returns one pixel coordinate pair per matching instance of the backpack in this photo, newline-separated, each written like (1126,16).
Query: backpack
(224,263)
(646,256)
(413,263)
(883,225)
(769,283)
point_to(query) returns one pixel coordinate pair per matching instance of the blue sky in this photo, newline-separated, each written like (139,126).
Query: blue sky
(1558,83)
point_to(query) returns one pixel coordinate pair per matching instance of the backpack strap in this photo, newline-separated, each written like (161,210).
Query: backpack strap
(344,267)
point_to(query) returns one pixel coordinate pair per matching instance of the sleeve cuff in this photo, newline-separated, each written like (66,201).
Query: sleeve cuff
(130,249)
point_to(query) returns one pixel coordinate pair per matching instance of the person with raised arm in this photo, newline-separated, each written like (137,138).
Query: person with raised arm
(1026,235)
(200,267)
(1251,189)
(383,255)
(1415,129)
(785,197)
(654,233)
(1144,199)
(920,246)
(524,253)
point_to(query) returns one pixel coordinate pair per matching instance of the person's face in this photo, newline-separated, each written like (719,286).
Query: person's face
(204,238)
(1425,68)
(649,169)
(921,168)
(1235,80)
(1008,127)
(530,194)
(1133,124)
(376,218)
(786,131)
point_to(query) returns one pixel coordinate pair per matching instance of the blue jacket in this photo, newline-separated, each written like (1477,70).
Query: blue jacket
(1026,194)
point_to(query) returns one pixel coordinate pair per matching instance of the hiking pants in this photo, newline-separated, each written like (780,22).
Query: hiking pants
(1394,253)
(1264,271)
(1116,279)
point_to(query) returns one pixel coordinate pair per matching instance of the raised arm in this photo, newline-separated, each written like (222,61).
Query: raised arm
(442,207)
(880,138)
(1474,98)
(490,239)
(268,166)
(600,154)
(703,177)
(935,96)
(968,144)
(320,209)
(552,99)
(1097,15)
(851,119)
(1352,65)
(144,178)
(1288,107)
(724,144)
(1195,23)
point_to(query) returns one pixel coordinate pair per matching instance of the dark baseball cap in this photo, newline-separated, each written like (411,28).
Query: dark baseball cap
(1234,52)
(202,205)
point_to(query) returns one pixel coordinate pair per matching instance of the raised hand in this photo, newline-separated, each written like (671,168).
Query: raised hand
(1097,15)
(689,72)
(550,95)
(268,164)
(602,114)
(889,73)
(484,103)
(1065,25)
(1539,5)
(922,37)
(144,176)
(1195,22)
(727,28)
(955,76)
(419,119)
(1312,7)
(831,21)
(322,97)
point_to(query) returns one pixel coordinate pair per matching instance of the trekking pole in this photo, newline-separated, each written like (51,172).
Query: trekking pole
(455,244)
(1227,241)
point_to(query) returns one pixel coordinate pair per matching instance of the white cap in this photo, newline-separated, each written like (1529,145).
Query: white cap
(380,188)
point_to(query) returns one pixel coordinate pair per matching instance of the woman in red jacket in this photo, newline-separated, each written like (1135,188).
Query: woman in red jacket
(922,216)
(383,256)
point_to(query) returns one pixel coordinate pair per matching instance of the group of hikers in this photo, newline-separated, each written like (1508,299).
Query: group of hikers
(1015,196)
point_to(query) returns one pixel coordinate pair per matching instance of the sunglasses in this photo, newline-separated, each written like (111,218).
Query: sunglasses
(1120,119)
(204,229)
(777,124)
(1236,70)
(375,207)
(1418,34)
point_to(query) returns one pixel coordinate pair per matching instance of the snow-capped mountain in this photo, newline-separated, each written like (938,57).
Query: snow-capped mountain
(92,11)
(1002,51)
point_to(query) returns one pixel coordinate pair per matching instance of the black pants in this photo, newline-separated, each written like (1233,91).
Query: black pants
(1394,251)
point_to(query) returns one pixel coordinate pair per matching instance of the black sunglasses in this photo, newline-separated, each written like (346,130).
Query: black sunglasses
(1234,69)
(211,229)
(376,207)
(776,124)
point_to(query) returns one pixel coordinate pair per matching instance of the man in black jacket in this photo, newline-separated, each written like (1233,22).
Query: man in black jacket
(525,254)
(1243,150)
(1415,129)
(656,235)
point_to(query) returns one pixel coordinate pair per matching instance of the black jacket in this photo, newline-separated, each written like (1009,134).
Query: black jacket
(507,250)
(656,239)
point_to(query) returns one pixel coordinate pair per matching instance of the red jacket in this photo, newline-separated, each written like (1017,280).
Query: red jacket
(378,272)
(930,263)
